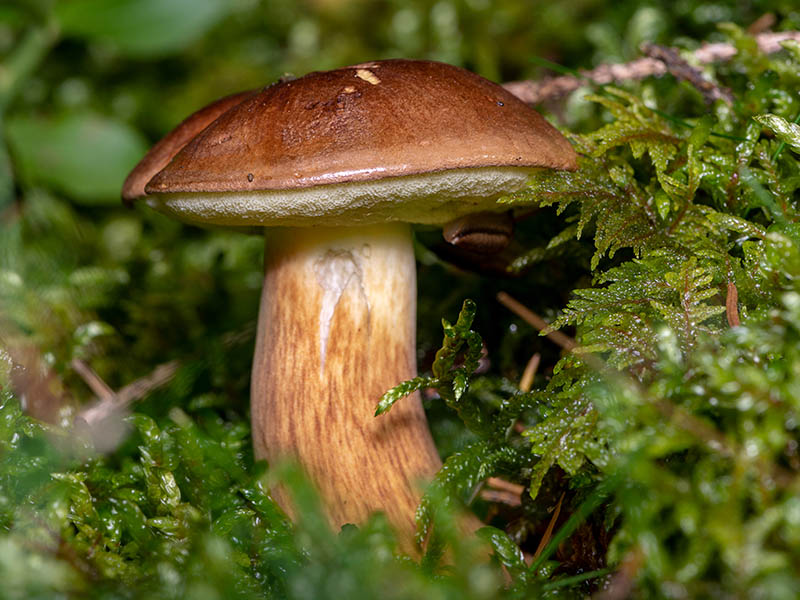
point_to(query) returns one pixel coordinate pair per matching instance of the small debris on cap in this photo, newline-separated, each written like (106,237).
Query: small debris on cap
(368,76)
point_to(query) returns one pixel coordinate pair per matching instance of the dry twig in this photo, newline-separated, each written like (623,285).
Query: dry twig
(681,69)
(732,305)
(535,92)
(529,373)
(501,497)
(550,526)
(536,321)
(92,380)
(502,484)
(104,421)
(111,403)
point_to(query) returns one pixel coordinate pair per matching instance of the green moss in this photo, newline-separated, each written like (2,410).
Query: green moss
(662,453)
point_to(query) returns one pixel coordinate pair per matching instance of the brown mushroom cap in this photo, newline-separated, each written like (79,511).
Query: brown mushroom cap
(359,139)
(159,155)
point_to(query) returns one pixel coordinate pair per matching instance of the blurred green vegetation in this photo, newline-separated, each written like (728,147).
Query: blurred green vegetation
(669,444)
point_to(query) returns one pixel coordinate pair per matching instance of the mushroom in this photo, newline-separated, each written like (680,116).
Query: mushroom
(336,165)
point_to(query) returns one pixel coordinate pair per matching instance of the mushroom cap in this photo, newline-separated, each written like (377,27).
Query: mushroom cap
(159,155)
(407,140)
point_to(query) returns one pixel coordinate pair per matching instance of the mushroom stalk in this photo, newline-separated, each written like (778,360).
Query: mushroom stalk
(336,329)
(381,141)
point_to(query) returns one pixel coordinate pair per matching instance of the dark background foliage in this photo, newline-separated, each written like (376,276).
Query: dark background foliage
(661,460)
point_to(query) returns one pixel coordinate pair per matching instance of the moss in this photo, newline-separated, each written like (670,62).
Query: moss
(659,454)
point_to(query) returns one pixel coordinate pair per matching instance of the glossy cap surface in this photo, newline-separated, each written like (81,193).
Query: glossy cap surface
(365,124)
(159,155)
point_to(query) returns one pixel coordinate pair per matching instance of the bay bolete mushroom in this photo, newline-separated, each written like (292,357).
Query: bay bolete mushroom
(336,165)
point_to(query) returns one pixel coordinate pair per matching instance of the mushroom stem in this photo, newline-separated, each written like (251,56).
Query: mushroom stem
(336,329)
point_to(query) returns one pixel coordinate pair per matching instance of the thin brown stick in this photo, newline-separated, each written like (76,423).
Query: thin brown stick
(529,373)
(501,497)
(536,321)
(732,305)
(502,484)
(111,403)
(549,531)
(92,379)
(500,492)
(762,24)
(143,386)
(535,92)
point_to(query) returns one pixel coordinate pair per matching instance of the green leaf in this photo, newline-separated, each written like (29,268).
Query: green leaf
(506,551)
(701,131)
(140,27)
(85,155)
(454,337)
(451,382)
(737,224)
(402,390)
(459,475)
(793,47)
(558,440)
(787,132)
(663,203)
